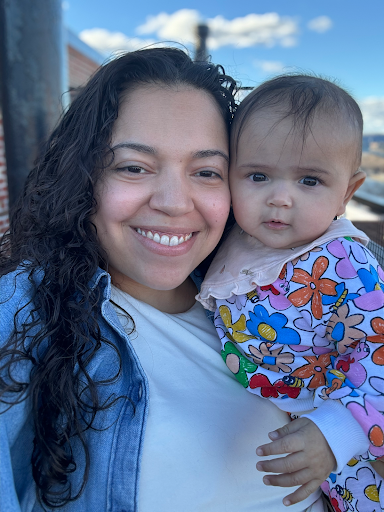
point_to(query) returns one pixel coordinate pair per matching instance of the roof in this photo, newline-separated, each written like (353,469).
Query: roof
(73,40)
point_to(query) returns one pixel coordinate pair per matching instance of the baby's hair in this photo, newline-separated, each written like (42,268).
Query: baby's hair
(300,97)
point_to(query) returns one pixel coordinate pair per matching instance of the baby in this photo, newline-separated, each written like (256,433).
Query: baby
(299,300)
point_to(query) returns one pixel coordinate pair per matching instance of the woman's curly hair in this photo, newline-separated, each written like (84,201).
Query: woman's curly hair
(53,239)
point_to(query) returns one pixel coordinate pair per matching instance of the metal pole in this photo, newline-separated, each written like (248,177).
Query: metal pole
(31,86)
(201,54)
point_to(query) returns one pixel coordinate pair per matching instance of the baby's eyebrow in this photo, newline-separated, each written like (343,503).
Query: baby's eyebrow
(317,170)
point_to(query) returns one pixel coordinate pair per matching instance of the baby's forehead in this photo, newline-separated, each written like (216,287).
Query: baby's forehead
(336,127)
(272,116)
(324,139)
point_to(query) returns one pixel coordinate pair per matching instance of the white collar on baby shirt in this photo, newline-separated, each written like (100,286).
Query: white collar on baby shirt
(243,262)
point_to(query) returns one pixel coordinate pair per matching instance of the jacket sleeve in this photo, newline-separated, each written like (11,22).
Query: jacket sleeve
(17,490)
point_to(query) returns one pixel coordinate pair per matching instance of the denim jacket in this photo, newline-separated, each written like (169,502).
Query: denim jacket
(115,444)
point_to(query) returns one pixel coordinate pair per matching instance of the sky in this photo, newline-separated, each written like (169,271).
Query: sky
(254,40)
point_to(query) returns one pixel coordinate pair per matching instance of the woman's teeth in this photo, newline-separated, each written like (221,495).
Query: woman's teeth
(164,239)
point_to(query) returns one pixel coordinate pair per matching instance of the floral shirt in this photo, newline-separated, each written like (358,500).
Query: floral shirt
(315,333)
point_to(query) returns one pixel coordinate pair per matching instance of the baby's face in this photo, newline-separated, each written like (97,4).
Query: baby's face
(284,193)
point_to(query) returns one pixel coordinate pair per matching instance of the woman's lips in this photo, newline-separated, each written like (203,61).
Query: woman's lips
(162,238)
(159,244)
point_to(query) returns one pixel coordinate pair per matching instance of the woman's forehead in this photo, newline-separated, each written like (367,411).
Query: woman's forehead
(154,115)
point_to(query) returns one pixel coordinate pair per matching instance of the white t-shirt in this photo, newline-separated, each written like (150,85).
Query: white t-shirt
(203,428)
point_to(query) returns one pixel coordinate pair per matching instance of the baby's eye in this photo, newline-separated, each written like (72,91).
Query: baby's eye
(309,181)
(258,177)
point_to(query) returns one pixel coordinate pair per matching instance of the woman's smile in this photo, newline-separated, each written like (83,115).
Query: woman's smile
(164,239)
(164,243)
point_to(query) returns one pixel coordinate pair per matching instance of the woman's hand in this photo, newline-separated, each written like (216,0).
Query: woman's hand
(309,463)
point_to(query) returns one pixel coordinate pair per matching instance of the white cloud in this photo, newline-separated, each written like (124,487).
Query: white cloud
(320,24)
(65,5)
(179,26)
(267,29)
(269,66)
(373,114)
(112,42)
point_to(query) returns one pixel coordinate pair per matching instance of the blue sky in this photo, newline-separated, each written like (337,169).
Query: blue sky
(341,39)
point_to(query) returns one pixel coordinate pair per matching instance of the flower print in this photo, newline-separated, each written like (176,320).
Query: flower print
(377,400)
(374,298)
(306,255)
(271,359)
(358,252)
(343,267)
(283,272)
(276,296)
(350,366)
(364,490)
(342,296)
(316,368)
(238,300)
(237,363)
(377,325)
(372,423)
(234,330)
(341,328)
(314,285)
(271,328)
(370,279)
(272,391)
(252,296)
(320,342)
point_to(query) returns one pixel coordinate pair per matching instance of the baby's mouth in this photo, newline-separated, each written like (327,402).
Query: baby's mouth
(172,240)
(277,224)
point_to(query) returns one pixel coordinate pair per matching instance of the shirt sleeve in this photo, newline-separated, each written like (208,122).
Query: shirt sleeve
(355,325)
(334,420)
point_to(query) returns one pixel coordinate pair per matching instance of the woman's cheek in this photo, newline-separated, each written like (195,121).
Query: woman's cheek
(220,208)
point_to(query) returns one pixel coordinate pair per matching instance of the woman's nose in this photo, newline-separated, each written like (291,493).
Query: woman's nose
(172,195)
(280,196)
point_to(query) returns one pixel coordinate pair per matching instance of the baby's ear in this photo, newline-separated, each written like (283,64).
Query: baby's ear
(354,183)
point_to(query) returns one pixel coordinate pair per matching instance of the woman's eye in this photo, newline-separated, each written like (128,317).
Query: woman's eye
(134,169)
(309,181)
(258,177)
(208,174)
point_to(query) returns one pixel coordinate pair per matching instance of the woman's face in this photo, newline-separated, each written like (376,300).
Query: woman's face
(164,201)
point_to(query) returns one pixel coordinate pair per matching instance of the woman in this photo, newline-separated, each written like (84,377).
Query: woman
(112,395)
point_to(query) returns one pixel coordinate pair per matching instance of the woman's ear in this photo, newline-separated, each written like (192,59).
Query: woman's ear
(354,183)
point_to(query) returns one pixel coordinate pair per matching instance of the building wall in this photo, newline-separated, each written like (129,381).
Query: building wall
(80,68)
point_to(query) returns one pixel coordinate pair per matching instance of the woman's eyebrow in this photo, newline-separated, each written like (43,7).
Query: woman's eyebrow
(206,153)
(149,150)
(141,148)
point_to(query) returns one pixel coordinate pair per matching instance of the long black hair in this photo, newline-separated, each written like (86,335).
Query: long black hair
(52,237)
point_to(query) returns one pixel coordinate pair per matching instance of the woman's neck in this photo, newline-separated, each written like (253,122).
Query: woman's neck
(177,300)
